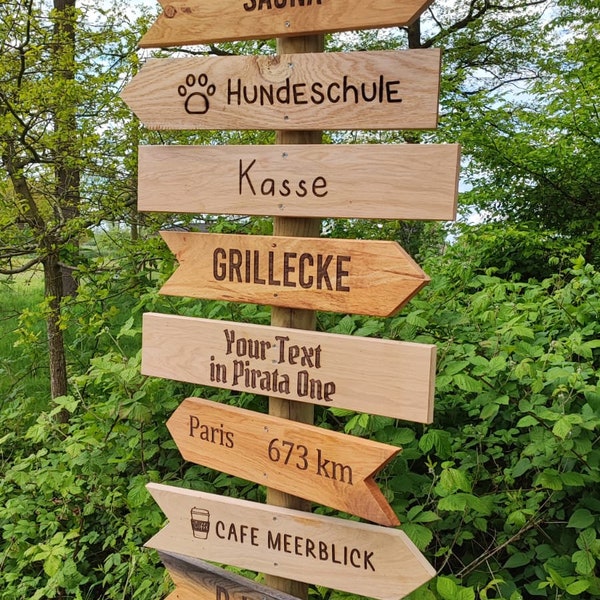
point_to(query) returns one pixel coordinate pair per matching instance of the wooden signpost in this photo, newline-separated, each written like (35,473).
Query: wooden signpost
(382,377)
(324,466)
(356,90)
(346,555)
(204,21)
(351,276)
(298,92)
(198,580)
(418,181)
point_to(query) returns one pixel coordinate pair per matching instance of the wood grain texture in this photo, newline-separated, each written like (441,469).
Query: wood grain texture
(323,466)
(403,181)
(350,276)
(292,317)
(204,21)
(359,558)
(198,580)
(355,90)
(377,376)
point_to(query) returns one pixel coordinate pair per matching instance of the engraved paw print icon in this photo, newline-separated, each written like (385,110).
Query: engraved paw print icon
(196,100)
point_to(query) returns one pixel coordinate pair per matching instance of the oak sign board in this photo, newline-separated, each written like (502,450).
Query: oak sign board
(359,558)
(351,276)
(204,21)
(316,464)
(363,181)
(198,580)
(356,90)
(384,377)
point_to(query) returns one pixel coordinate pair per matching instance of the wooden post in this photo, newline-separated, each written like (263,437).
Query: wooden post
(289,317)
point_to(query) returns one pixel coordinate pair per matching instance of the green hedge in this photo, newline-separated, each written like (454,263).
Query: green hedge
(500,492)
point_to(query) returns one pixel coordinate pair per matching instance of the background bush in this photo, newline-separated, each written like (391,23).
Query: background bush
(500,492)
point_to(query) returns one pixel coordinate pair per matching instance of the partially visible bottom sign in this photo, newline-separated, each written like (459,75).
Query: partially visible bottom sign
(346,555)
(197,580)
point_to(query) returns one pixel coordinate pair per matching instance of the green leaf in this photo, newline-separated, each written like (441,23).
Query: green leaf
(562,428)
(454,367)
(449,590)
(68,403)
(527,421)
(581,519)
(522,332)
(427,516)
(584,562)
(550,479)
(587,539)
(370,328)
(52,564)
(413,318)
(467,383)
(489,411)
(446,588)
(521,467)
(570,478)
(126,329)
(454,502)
(577,587)
(556,578)
(519,559)
(453,480)
(420,536)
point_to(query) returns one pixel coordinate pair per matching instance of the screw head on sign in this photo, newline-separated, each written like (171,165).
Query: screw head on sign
(170,11)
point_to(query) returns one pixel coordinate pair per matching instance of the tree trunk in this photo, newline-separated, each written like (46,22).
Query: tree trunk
(58,277)
(414,34)
(66,165)
(53,292)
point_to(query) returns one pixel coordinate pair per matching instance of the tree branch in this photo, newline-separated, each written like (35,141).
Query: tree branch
(22,268)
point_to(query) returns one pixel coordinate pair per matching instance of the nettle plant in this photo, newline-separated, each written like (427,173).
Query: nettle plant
(501,491)
(505,481)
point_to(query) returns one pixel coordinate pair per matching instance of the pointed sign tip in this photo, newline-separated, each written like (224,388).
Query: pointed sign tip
(346,555)
(316,464)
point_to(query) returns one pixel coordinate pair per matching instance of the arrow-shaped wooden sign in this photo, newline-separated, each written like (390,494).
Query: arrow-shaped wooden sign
(204,21)
(346,555)
(384,377)
(363,181)
(198,580)
(337,90)
(350,276)
(316,464)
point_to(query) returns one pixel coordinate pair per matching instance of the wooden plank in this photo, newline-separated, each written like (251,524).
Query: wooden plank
(323,466)
(205,21)
(198,580)
(359,558)
(403,181)
(352,90)
(384,377)
(350,276)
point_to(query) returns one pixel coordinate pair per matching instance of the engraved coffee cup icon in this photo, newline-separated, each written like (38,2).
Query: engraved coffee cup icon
(200,522)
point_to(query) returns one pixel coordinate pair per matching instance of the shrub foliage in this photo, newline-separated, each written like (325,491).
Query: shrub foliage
(500,492)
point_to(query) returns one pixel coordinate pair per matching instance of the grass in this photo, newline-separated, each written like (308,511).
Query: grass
(23,354)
